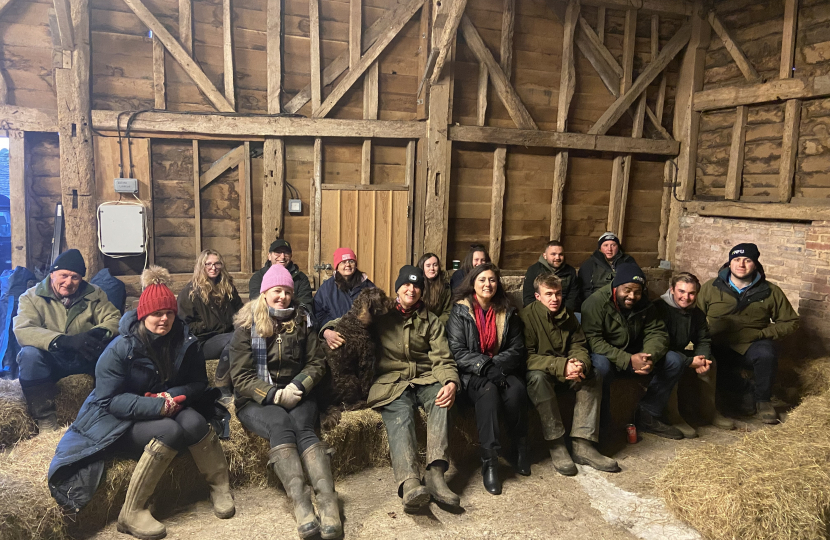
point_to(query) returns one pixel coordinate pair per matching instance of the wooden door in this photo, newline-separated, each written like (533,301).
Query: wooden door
(374,223)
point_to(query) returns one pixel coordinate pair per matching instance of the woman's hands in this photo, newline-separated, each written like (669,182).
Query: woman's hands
(171,406)
(288,397)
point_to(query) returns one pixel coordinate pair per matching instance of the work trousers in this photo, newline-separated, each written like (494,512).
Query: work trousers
(541,387)
(761,358)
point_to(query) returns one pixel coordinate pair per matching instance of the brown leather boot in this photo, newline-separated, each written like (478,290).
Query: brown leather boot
(318,466)
(135,518)
(286,463)
(211,462)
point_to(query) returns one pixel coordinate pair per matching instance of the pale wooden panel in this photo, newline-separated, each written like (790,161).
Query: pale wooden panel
(382,239)
(366,223)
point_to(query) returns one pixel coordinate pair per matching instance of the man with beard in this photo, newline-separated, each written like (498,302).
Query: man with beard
(552,261)
(280,253)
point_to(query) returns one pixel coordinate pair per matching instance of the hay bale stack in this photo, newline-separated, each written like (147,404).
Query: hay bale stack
(15,422)
(775,483)
(814,376)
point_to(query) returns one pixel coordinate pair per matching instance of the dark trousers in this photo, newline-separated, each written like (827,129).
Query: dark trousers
(663,378)
(761,358)
(40,370)
(179,432)
(219,347)
(488,398)
(541,388)
(280,426)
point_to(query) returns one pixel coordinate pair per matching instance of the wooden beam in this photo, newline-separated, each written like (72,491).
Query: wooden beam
(728,97)
(599,46)
(674,7)
(159,75)
(788,39)
(370,112)
(273,38)
(186,25)
(508,23)
(507,95)
(197,197)
(655,121)
(497,203)
(228,161)
(245,212)
(62,12)
(736,156)
(454,13)
(629,42)
(562,141)
(409,182)
(314,40)
(364,187)
(601,24)
(355,30)
(618,108)
(424,50)
(315,210)
(733,48)
(665,210)
(13,117)
(778,211)
(180,55)
(481,94)
(273,193)
(18,199)
(598,55)
(227,52)
(789,149)
(402,16)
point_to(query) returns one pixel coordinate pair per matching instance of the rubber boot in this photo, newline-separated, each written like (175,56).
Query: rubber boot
(210,459)
(437,487)
(415,496)
(135,518)
(40,400)
(708,406)
(318,466)
(522,457)
(766,412)
(286,464)
(672,414)
(562,461)
(48,424)
(584,453)
(490,471)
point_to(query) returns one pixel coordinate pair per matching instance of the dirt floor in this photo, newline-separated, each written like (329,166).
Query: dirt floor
(591,505)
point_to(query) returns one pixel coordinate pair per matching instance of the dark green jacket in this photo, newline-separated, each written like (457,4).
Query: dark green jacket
(595,273)
(618,336)
(302,287)
(685,326)
(444,307)
(566,273)
(552,340)
(207,320)
(736,320)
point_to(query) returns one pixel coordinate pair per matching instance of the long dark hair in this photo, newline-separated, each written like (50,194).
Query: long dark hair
(501,302)
(346,284)
(162,351)
(433,288)
(467,263)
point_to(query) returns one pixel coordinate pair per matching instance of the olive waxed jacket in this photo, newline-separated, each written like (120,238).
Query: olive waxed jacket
(552,340)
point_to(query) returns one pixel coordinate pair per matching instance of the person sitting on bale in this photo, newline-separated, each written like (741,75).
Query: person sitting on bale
(599,269)
(149,383)
(280,253)
(485,336)
(276,360)
(628,339)
(686,323)
(557,357)
(336,295)
(415,369)
(437,292)
(552,261)
(207,304)
(62,325)
(475,256)
(746,313)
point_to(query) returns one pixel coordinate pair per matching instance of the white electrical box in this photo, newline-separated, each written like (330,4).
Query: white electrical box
(121,229)
(295,206)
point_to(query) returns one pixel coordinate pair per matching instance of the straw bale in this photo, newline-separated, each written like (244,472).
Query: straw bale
(775,483)
(814,376)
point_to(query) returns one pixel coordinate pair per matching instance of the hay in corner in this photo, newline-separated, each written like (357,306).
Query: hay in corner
(775,483)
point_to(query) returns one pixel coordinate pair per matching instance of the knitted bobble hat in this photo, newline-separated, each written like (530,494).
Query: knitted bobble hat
(276,276)
(156,295)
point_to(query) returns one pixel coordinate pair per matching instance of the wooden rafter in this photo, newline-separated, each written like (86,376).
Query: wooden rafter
(733,48)
(728,97)
(456,10)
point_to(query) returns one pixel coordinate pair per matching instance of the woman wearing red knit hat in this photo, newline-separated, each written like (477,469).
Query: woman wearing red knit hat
(336,295)
(147,382)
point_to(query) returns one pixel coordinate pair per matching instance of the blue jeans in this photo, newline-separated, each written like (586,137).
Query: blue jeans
(664,377)
(40,370)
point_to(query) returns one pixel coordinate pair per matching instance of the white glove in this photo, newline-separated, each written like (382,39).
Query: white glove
(288,397)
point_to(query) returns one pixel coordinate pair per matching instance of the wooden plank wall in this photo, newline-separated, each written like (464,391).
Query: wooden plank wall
(44,191)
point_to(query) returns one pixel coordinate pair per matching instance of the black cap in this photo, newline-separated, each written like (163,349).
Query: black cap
(71,260)
(410,274)
(279,245)
(606,237)
(628,273)
(745,250)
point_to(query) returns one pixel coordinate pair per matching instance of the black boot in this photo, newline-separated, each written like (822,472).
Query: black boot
(490,471)
(646,423)
(522,457)
(40,399)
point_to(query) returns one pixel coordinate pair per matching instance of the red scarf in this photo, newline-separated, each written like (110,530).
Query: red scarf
(486,324)
(411,311)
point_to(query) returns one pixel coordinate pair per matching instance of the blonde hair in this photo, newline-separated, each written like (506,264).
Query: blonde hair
(256,312)
(204,287)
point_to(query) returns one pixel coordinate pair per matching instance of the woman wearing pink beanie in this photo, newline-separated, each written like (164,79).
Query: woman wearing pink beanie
(336,295)
(276,360)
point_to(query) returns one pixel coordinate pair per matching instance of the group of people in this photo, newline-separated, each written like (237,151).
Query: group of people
(443,339)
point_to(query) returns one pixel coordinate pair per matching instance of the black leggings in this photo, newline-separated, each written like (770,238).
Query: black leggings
(219,347)
(488,399)
(183,430)
(278,426)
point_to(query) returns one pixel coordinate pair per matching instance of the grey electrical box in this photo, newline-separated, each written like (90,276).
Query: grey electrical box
(126,185)
(295,206)
(121,229)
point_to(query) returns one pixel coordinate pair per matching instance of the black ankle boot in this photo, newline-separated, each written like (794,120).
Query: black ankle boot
(490,471)
(522,465)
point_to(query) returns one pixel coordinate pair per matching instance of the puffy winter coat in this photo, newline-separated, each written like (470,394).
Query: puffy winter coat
(302,287)
(617,335)
(737,320)
(595,273)
(331,303)
(685,326)
(566,273)
(123,375)
(207,320)
(465,342)
(552,340)
(294,356)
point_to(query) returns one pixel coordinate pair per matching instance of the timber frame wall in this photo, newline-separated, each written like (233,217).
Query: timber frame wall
(510,122)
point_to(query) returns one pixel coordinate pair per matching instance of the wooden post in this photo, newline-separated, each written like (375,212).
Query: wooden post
(355,31)
(481,97)
(19,199)
(76,147)
(497,203)
(788,39)
(789,149)
(424,33)
(186,25)
(736,156)
(197,196)
(314,220)
(227,50)
(273,151)
(159,75)
(245,217)
(314,39)
(370,112)
(409,181)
